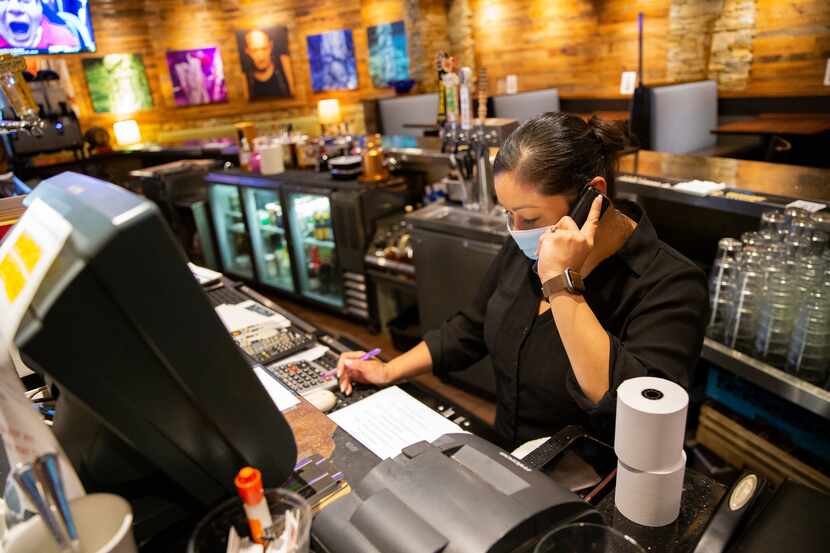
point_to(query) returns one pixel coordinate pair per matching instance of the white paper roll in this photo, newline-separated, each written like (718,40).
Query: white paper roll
(270,159)
(650,425)
(650,498)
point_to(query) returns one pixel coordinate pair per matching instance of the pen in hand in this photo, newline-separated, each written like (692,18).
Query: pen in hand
(365,357)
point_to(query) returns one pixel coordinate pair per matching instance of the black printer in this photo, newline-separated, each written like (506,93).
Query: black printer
(459,494)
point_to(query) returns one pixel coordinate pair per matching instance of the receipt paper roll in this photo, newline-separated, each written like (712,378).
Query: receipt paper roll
(650,498)
(650,425)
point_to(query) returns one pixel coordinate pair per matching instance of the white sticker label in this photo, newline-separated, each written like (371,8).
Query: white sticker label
(812,207)
(628,82)
(512,84)
(827,74)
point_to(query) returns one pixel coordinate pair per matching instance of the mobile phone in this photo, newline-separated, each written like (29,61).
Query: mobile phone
(582,208)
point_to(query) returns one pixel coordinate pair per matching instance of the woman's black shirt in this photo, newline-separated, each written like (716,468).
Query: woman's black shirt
(650,300)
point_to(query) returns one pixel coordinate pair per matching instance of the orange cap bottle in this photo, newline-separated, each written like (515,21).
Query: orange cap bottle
(248,483)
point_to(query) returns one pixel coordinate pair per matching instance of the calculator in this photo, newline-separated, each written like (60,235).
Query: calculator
(305,377)
(268,343)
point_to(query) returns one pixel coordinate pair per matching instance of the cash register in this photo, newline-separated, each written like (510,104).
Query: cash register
(157,402)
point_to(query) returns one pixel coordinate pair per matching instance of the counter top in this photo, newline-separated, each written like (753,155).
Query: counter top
(791,181)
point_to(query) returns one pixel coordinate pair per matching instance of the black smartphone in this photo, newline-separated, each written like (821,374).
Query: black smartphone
(582,207)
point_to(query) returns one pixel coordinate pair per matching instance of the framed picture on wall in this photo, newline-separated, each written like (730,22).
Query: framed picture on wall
(118,83)
(266,62)
(198,76)
(332,61)
(388,57)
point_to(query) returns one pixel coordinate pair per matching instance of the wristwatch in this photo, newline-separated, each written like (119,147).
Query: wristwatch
(570,281)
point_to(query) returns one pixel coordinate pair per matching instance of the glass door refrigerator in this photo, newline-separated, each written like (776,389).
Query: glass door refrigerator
(263,209)
(314,246)
(232,237)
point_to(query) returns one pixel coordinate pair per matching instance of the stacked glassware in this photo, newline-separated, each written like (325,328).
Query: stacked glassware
(770,293)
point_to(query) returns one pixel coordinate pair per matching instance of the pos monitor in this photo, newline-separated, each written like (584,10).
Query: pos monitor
(153,388)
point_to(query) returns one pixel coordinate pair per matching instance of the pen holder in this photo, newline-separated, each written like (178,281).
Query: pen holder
(104,523)
(211,535)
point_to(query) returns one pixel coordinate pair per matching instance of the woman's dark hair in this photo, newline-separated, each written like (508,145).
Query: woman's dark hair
(559,153)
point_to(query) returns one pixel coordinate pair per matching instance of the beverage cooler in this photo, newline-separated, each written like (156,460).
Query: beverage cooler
(300,233)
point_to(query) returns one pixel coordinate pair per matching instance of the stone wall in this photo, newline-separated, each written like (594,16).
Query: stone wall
(711,39)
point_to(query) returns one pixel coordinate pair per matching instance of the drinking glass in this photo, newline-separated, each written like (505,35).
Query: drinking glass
(803,227)
(809,354)
(584,537)
(722,284)
(743,321)
(776,318)
(793,213)
(774,221)
(821,220)
(818,242)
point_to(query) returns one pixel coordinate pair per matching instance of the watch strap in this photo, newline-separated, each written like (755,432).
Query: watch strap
(570,281)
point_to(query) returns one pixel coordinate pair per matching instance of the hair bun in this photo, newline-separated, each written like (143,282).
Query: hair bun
(612,135)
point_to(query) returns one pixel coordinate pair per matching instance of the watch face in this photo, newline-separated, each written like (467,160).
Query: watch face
(573,281)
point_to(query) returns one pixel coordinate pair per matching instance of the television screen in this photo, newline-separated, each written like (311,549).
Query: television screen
(45,27)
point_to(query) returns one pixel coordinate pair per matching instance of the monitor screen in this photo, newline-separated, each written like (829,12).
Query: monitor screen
(45,27)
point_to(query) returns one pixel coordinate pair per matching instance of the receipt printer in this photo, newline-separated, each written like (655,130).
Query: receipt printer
(460,494)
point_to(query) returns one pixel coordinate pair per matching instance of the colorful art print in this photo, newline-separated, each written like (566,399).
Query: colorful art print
(118,83)
(266,62)
(198,76)
(388,57)
(332,61)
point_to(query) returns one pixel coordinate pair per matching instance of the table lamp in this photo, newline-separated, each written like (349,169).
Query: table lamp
(127,132)
(328,112)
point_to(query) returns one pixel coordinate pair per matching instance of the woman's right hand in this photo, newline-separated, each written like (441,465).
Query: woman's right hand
(351,369)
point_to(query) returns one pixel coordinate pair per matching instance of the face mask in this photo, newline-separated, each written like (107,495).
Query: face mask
(528,240)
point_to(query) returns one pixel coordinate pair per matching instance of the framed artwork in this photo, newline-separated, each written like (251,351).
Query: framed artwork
(266,62)
(118,83)
(388,57)
(198,76)
(332,61)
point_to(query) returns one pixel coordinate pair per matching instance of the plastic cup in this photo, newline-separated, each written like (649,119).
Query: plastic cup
(291,515)
(585,537)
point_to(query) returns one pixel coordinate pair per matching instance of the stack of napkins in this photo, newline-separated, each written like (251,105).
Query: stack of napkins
(700,187)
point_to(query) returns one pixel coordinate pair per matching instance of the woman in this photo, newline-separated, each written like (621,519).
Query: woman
(559,358)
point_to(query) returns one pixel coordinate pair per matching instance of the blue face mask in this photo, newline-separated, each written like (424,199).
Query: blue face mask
(528,240)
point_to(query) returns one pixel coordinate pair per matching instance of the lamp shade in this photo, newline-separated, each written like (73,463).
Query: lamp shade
(328,111)
(127,132)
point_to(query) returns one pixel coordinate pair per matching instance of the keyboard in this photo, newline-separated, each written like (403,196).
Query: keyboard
(308,376)
(226,295)
(273,344)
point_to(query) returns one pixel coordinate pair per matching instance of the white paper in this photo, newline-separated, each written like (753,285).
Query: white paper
(511,83)
(390,420)
(528,447)
(628,82)
(699,187)
(26,255)
(812,207)
(827,74)
(204,275)
(242,315)
(649,433)
(650,498)
(282,397)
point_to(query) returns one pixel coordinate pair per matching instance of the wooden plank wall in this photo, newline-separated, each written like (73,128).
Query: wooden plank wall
(582,46)
(579,46)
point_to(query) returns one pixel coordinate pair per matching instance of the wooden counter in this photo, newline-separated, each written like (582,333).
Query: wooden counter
(763,178)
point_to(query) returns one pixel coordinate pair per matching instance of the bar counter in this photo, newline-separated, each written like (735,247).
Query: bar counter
(791,181)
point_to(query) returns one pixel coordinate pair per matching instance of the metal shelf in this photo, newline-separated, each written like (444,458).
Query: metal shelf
(776,381)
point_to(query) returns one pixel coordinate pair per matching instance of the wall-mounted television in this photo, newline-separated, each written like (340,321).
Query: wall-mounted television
(45,27)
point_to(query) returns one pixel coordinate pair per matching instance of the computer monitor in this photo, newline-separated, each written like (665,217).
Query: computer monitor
(143,363)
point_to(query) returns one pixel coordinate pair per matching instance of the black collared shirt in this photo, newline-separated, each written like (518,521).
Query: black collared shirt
(650,300)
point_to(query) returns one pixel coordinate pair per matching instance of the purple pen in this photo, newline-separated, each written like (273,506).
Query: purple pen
(365,357)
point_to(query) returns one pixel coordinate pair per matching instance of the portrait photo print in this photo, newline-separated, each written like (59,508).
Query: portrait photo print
(266,62)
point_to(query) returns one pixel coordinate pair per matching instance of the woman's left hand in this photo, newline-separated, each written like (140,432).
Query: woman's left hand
(566,245)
